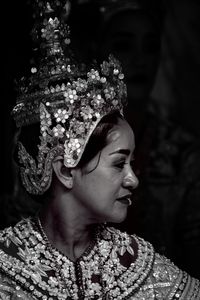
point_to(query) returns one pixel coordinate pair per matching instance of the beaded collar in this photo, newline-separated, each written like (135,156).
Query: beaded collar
(114,267)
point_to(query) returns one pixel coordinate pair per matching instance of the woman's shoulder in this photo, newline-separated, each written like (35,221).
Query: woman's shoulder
(152,274)
(178,284)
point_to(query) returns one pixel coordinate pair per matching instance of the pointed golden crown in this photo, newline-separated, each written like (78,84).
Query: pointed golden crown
(67,98)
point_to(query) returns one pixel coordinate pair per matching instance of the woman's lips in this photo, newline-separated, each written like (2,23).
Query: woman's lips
(125,200)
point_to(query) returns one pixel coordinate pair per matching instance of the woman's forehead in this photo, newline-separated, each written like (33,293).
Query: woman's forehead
(121,135)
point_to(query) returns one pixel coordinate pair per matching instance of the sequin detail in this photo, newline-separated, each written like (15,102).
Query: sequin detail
(118,266)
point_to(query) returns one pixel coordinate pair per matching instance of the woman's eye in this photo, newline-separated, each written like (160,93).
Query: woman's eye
(120,165)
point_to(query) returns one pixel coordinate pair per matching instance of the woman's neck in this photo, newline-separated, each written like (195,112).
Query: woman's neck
(66,231)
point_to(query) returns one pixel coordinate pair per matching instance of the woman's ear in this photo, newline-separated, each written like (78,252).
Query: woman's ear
(63,173)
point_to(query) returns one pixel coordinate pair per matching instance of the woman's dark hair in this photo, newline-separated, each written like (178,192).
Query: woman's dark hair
(98,139)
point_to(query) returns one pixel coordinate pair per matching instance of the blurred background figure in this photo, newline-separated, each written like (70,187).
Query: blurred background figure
(131,30)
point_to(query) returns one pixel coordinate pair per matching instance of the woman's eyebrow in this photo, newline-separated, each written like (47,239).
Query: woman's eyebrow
(121,151)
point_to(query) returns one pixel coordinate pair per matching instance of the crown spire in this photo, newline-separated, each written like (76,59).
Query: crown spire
(50,31)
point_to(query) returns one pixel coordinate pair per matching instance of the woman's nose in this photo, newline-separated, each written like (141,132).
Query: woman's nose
(130,180)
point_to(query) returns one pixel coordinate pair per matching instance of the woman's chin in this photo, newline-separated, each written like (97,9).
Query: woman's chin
(118,218)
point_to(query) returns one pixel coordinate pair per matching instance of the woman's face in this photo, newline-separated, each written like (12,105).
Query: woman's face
(103,194)
(134,39)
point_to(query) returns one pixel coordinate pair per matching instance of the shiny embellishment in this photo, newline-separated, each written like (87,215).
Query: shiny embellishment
(117,266)
(67,99)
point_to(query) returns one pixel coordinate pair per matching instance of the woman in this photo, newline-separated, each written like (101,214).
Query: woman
(68,251)
(81,170)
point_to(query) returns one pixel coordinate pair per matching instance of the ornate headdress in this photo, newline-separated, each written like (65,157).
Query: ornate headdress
(67,99)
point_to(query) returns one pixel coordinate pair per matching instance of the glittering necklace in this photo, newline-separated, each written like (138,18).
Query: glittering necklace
(79,282)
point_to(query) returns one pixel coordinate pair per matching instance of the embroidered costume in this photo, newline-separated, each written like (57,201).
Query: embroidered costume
(115,266)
